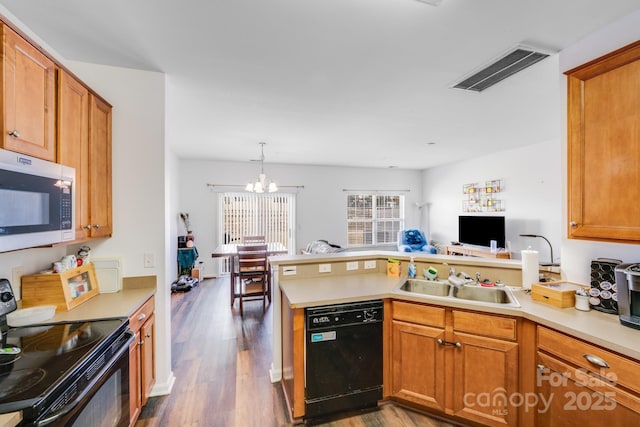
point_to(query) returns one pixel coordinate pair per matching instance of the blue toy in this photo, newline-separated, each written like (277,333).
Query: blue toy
(414,241)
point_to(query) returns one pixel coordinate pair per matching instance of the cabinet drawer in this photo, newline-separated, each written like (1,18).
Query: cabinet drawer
(138,318)
(621,370)
(484,324)
(421,314)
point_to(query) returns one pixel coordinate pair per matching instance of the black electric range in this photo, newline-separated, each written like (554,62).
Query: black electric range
(43,366)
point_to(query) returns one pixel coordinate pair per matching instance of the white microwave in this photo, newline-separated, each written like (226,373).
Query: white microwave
(37,205)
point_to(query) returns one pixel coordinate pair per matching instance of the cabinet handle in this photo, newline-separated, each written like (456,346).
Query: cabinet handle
(87,227)
(595,360)
(141,316)
(445,343)
(141,342)
(96,226)
(540,367)
(148,335)
(573,224)
(14,133)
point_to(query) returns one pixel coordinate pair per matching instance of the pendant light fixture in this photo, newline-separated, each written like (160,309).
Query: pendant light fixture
(262,184)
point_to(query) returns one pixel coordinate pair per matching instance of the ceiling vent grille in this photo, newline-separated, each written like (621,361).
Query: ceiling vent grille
(515,60)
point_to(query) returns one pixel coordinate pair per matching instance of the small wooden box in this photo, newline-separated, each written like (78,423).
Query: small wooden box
(560,294)
(65,290)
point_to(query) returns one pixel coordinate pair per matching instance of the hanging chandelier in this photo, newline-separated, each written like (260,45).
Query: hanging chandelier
(262,183)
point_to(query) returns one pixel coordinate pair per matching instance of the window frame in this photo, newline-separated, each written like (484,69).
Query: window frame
(374,220)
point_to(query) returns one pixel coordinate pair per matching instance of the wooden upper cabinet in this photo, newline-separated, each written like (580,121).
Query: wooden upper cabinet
(100,170)
(604,147)
(73,143)
(28,92)
(84,142)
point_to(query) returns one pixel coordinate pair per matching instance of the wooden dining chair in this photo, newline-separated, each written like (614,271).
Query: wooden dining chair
(252,274)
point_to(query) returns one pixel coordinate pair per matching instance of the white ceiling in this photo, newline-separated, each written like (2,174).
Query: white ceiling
(331,82)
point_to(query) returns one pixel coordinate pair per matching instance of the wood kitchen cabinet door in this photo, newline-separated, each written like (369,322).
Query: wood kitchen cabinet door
(570,397)
(604,147)
(485,378)
(418,373)
(100,167)
(135,388)
(28,98)
(73,147)
(147,358)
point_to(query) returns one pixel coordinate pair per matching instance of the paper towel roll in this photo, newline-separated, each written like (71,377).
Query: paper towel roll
(530,273)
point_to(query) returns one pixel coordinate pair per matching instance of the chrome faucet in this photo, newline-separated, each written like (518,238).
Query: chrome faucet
(457,279)
(452,270)
(463,275)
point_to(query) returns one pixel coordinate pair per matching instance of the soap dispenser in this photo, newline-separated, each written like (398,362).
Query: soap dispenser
(412,269)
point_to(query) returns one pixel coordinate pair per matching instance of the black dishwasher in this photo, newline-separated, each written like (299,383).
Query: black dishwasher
(343,358)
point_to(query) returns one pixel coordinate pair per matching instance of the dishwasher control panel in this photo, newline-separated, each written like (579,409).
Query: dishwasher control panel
(344,314)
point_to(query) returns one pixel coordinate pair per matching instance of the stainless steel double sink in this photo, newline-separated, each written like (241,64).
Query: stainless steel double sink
(501,296)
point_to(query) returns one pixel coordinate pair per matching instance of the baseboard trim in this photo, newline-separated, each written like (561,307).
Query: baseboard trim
(275,374)
(162,389)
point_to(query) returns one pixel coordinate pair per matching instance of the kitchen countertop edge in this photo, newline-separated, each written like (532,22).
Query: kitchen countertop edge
(120,304)
(593,326)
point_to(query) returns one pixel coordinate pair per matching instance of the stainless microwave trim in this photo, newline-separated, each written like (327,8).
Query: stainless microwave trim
(21,163)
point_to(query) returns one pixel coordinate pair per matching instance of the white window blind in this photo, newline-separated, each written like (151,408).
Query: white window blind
(374,219)
(251,214)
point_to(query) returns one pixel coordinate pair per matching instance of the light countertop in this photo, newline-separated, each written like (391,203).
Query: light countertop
(599,328)
(107,305)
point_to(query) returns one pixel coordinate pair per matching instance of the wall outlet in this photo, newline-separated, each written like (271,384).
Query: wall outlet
(369,264)
(149,261)
(324,268)
(289,270)
(352,265)
(16,279)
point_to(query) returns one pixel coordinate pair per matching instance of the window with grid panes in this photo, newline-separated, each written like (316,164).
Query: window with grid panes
(374,219)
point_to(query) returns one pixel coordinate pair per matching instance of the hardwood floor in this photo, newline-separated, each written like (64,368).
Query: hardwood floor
(221,364)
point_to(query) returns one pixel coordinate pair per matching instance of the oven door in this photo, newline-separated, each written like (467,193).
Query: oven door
(104,402)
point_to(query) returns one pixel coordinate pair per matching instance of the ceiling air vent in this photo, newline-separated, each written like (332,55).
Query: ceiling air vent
(516,59)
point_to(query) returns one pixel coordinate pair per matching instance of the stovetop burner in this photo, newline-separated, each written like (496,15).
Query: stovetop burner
(16,382)
(74,336)
(47,355)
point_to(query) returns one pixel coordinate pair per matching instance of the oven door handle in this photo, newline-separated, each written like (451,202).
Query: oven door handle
(62,412)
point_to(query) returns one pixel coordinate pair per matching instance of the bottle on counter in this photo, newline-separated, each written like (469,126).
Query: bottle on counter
(412,269)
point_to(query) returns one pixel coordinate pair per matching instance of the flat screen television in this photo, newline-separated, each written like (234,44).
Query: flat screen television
(481,230)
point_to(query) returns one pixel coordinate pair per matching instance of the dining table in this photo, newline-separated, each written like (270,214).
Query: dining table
(230,251)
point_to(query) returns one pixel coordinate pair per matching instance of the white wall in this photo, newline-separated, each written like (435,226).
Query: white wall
(531,177)
(321,205)
(535,177)
(577,254)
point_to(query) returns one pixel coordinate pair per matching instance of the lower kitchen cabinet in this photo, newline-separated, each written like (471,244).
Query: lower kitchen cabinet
(581,384)
(417,361)
(147,358)
(460,363)
(141,358)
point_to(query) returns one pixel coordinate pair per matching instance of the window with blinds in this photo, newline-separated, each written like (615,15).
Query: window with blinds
(252,214)
(374,219)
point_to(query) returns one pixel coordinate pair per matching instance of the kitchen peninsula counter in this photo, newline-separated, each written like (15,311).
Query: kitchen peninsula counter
(593,326)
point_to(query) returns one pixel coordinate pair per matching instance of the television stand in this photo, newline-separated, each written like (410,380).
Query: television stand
(477,251)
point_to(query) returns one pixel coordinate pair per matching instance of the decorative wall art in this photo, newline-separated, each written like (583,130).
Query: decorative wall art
(479,198)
